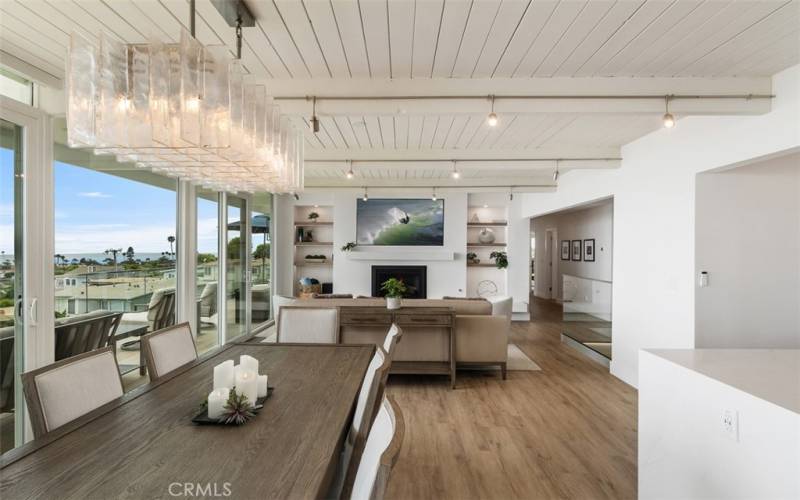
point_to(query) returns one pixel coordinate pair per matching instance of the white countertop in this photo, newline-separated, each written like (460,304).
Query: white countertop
(769,374)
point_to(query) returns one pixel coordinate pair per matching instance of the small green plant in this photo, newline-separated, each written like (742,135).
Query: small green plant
(500,259)
(238,410)
(471,256)
(316,256)
(313,216)
(394,287)
(351,245)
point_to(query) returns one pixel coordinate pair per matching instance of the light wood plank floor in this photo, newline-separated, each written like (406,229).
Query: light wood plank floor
(568,431)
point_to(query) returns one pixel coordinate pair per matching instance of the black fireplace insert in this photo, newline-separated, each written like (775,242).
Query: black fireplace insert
(414,277)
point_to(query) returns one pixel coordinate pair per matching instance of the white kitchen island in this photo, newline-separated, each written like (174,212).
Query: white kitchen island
(719,423)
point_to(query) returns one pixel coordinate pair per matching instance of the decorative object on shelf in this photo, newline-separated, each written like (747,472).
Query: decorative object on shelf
(349,246)
(313,216)
(565,250)
(486,236)
(181,110)
(308,237)
(394,289)
(300,235)
(486,288)
(588,250)
(475,219)
(309,286)
(472,258)
(316,258)
(577,250)
(500,259)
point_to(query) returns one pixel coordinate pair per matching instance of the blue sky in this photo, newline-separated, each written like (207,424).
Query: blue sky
(95,211)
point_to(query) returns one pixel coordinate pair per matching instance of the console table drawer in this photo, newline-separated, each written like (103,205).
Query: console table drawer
(411,319)
(361,318)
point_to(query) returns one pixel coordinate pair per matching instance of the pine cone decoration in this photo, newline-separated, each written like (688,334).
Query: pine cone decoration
(238,410)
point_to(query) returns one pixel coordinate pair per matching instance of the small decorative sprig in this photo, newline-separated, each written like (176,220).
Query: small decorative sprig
(238,409)
(351,245)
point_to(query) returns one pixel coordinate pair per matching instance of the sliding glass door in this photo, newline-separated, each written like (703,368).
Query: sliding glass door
(25,310)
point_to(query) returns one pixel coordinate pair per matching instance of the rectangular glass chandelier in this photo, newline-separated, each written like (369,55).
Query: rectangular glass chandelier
(182,110)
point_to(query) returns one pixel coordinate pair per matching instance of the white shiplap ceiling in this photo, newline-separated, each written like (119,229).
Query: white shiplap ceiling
(305,47)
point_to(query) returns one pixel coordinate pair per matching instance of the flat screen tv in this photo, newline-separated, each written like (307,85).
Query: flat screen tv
(400,222)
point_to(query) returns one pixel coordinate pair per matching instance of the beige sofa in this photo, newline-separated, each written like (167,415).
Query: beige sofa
(481,336)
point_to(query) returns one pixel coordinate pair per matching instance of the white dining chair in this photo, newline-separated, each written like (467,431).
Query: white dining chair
(391,340)
(168,349)
(308,325)
(380,453)
(65,390)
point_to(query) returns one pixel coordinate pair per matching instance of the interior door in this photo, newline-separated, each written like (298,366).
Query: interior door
(26,253)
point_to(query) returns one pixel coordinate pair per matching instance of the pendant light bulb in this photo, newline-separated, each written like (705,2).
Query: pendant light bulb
(365,198)
(492,118)
(350,174)
(433,196)
(456,174)
(555,172)
(668,119)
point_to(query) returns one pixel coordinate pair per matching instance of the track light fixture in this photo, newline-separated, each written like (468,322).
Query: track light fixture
(492,118)
(669,120)
(433,196)
(350,174)
(456,174)
(314,119)
(555,173)
(366,197)
(510,194)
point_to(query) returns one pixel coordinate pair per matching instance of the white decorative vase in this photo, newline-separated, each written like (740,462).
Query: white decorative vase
(393,302)
(486,235)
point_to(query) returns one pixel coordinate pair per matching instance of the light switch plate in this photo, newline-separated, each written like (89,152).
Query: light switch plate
(730,424)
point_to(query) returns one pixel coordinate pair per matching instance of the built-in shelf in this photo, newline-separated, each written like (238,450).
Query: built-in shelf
(314,244)
(481,265)
(312,224)
(476,245)
(487,224)
(305,263)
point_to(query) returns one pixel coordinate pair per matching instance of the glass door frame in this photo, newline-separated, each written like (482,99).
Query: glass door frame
(38,338)
(222,262)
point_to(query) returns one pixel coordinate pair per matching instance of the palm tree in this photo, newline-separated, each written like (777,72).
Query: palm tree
(114,252)
(171,240)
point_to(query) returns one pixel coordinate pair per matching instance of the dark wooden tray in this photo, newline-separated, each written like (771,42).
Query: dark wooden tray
(202,417)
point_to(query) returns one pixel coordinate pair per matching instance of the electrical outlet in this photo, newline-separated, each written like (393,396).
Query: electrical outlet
(730,424)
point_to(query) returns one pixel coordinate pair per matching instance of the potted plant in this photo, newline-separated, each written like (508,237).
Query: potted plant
(394,289)
(351,245)
(316,258)
(500,259)
(313,216)
(472,258)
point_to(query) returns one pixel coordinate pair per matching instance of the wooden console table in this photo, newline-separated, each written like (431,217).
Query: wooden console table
(409,318)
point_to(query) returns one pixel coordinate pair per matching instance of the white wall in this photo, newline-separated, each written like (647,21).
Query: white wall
(684,451)
(593,222)
(653,194)
(748,240)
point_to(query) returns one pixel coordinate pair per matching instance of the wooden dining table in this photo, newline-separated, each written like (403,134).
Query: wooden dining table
(144,445)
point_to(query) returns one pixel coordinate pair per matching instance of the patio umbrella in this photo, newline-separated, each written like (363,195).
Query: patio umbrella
(259,224)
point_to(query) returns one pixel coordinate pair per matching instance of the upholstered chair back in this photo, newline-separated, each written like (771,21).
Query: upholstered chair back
(391,340)
(311,325)
(168,349)
(63,391)
(380,453)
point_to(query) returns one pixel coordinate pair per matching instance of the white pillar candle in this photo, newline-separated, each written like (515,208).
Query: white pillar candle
(262,386)
(247,384)
(248,363)
(216,402)
(223,375)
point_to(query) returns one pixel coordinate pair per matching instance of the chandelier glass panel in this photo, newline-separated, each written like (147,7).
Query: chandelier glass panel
(182,110)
